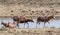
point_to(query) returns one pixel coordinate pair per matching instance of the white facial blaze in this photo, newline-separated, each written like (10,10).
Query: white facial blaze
(54,17)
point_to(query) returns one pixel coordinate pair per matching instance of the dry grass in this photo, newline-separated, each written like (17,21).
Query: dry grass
(31,31)
(29,7)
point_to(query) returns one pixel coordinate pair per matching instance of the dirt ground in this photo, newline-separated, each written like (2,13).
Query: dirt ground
(31,31)
(29,7)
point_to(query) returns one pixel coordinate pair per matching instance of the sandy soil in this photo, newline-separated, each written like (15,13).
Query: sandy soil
(29,7)
(31,31)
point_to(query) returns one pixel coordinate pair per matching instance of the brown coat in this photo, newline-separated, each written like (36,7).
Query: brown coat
(9,25)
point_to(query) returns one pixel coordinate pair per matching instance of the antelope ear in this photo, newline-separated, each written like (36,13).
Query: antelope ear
(1,22)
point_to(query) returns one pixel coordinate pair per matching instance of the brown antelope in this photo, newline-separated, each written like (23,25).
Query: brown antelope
(22,19)
(9,25)
(44,19)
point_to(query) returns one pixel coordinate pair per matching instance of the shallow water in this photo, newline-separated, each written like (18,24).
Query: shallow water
(53,23)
